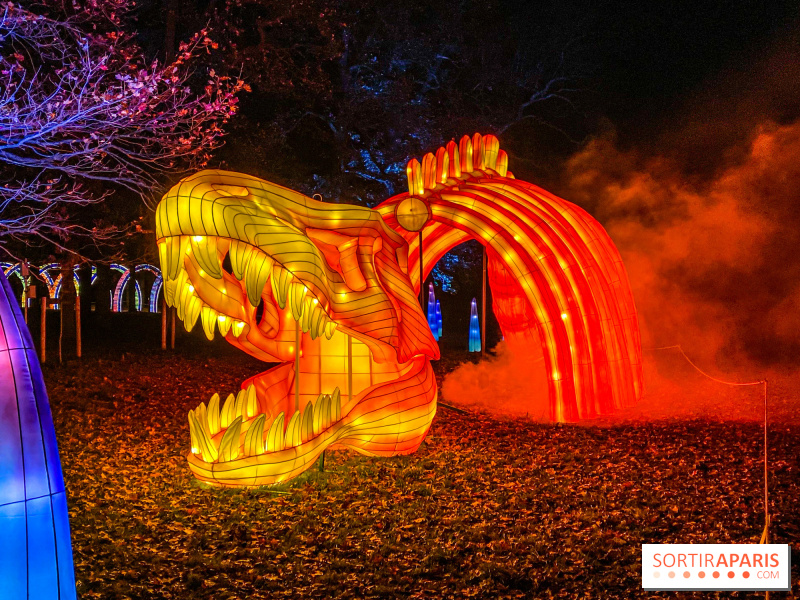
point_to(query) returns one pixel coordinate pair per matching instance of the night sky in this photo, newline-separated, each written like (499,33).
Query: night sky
(657,62)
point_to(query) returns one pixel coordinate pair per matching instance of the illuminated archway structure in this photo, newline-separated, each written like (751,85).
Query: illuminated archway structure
(556,277)
(329,291)
(54,283)
(125,276)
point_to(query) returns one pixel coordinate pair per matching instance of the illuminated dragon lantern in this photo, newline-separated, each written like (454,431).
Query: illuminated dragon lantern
(330,291)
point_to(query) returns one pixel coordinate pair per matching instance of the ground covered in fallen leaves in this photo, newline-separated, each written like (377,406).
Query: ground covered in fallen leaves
(487,508)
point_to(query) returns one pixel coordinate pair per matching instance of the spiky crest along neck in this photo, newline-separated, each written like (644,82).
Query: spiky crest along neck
(470,158)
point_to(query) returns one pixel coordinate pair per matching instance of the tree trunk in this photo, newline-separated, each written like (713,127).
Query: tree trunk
(66,304)
(130,289)
(85,279)
(102,289)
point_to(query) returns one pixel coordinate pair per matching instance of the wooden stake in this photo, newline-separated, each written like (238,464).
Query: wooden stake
(766,473)
(24,272)
(172,328)
(43,329)
(163,324)
(78,324)
(60,328)
(483,305)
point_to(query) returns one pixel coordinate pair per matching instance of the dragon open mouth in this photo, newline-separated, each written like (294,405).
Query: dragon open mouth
(278,283)
(330,291)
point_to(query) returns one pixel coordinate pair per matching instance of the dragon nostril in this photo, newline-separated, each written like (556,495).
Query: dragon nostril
(260,311)
(226,264)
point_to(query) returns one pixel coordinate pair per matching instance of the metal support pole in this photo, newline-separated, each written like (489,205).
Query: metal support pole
(483,304)
(421,274)
(43,329)
(78,325)
(297,365)
(766,472)
(349,369)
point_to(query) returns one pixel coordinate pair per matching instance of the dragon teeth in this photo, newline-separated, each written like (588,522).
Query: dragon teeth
(336,405)
(251,402)
(307,425)
(325,420)
(181,289)
(169,292)
(293,437)
(229,446)
(192,313)
(259,268)
(330,328)
(201,437)
(209,318)
(281,278)
(318,320)
(238,328)
(254,438)
(212,414)
(224,324)
(204,251)
(275,439)
(305,318)
(227,416)
(171,251)
(191,304)
(297,292)
(321,413)
(240,254)
(193,434)
(238,405)
(188,308)
(207,421)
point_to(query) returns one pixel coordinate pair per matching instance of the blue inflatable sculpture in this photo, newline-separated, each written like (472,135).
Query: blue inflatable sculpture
(474,328)
(432,323)
(35,547)
(438,320)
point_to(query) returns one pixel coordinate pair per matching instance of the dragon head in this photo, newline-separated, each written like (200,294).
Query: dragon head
(322,289)
(329,291)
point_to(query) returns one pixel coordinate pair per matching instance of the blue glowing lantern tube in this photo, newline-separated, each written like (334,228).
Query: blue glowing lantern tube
(474,328)
(432,312)
(438,320)
(35,548)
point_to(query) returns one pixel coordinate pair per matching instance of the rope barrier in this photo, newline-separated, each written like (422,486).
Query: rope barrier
(765,534)
(699,370)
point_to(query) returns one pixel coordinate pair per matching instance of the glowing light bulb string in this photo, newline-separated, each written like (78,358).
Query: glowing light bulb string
(765,534)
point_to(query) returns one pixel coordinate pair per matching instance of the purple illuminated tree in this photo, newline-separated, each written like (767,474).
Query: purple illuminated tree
(83,113)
